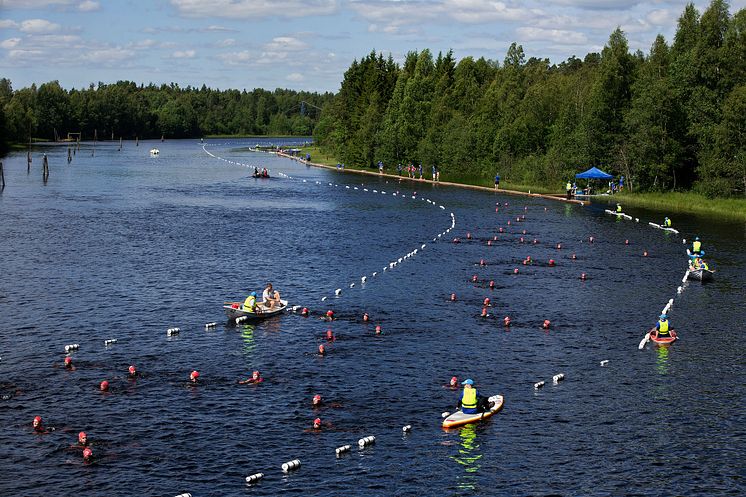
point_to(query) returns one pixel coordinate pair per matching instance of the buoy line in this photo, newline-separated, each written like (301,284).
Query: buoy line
(362,188)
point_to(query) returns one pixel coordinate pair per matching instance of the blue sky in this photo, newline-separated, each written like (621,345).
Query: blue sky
(304,45)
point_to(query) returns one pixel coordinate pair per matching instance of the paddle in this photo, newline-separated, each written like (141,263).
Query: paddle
(644,340)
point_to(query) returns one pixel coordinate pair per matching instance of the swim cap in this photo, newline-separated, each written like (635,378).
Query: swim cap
(317,421)
(330,313)
(194,374)
(317,397)
(454,380)
(132,370)
(468,381)
(68,360)
(696,238)
(82,436)
(104,385)
(87,453)
(255,373)
(663,316)
(37,419)
(252,294)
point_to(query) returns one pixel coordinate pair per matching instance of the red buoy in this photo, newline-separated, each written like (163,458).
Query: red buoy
(551,262)
(492,284)
(546,324)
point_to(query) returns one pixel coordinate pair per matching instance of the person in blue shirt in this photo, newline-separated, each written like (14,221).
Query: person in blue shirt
(662,327)
(497,181)
(398,169)
(420,167)
(470,401)
(621,183)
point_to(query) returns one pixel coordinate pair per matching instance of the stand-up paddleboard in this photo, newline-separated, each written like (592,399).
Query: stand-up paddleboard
(458,418)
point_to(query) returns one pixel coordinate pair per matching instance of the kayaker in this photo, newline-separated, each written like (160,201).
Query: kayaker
(697,246)
(662,327)
(471,402)
(256,377)
(250,303)
(667,222)
(619,207)
(270,297)
(256,172)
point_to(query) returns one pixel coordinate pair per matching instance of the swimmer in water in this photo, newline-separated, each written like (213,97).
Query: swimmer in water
(193,377)
(82,439)
(87,455)
(132,372)
(329,315)
(256,377)
(39,427)
(453,384)
(104,386)
(316,402)
(69,363)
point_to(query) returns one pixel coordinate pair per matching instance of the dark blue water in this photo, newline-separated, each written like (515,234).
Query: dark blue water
(124,246)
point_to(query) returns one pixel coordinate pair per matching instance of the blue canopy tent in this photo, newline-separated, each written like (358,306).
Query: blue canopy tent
(594,173)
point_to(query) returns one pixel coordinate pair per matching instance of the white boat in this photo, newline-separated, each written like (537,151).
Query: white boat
(234,310)
(154,152)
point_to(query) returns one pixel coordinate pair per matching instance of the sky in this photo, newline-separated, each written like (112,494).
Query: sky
(298,44)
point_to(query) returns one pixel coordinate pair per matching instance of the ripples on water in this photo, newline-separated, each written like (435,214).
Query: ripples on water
(124,246)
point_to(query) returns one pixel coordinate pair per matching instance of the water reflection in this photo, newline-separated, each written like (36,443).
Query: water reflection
(662,360)
(247,335)
(468,456)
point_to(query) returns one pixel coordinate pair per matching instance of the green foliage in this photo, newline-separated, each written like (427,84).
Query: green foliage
(125,109)
(668,120)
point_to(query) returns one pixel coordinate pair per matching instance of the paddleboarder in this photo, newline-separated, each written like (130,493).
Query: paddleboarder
(470,401)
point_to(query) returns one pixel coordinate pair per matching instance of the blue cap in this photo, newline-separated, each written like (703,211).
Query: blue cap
(663,316)
(696,238)
(252,294)
(468,381)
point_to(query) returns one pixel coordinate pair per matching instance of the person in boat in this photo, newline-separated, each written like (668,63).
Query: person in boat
(249,304)
(270,297)
(471,402)
(667,222)
(265,173)
(619,208)
(662,327)
(256,172)
(698,263)
(697,246)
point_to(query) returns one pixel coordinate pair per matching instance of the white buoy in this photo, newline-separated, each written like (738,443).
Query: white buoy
(338,291)
(363,279)
(175,331)
(605,362)
(445,414)
(406,429)
(210,325)
(558,377)
(241,319)
(254,478)
(374,273)
(323,299)
(72,347)
(110,342)
(679,290)
(365,441)
(422,246)
(538,385)
(341,450)
(291,465)
(186,494)
(352,285)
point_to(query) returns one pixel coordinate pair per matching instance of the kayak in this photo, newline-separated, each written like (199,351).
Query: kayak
(701,274)
(663,340)
(233,311)
(458,418)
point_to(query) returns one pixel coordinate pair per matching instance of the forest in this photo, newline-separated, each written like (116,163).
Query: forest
(124,109)
(671,119)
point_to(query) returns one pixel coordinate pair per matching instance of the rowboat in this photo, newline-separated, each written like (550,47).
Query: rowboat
(662,340)
(701,274)
(459,418)
(233,311)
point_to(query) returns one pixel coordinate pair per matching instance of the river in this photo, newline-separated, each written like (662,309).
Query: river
(123,246)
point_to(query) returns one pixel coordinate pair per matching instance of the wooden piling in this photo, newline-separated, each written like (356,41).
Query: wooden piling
(69,155)
(28,162)
(120,144)
(137,141)
(2,177)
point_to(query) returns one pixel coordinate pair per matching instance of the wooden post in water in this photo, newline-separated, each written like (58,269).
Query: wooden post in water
(120,144)
(69,155)
(112,136)
(95,135)
(45,168)
(137,141)
(2,177)
(162,137)
(28,162)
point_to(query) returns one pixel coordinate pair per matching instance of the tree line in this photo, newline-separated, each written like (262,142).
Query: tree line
(128,110)
(674,118)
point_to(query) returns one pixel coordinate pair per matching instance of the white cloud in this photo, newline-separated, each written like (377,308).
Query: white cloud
(26,54)
(107,55)
(34,4)
(142,44)
(7,24)
(88,6)
(10,43)
(38,26)
(183,54)
(236,58)
(247,9)
(556,36)
(228,42)
(285,43)
(598,4)
(661,17)
(295,77)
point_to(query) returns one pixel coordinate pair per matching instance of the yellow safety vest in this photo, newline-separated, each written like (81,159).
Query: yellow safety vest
(249,304)
(469,399)
(619,208)
(663,327)
(705,266)
(667,222)
(696,246)
(569,186)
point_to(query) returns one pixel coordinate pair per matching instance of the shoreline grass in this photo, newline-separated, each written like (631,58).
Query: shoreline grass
(729,209)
